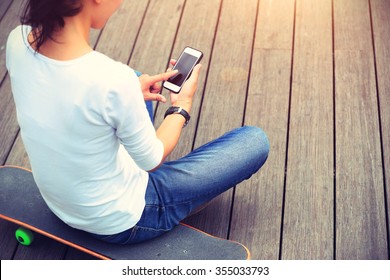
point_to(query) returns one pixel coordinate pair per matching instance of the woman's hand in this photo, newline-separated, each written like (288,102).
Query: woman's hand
(150,85)
(184,98)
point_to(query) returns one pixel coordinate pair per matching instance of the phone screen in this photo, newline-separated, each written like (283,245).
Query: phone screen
(184,66)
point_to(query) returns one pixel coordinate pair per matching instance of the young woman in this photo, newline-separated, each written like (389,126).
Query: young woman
(95,155)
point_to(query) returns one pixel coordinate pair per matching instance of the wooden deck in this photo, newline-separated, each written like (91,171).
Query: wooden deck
(313,74)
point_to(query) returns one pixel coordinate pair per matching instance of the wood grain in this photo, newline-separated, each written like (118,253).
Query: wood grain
(4,4)
(381,30)
(120,33)
(308,215)
(9,21)
(9,126)
(360,216)
(258,202)
(154,44)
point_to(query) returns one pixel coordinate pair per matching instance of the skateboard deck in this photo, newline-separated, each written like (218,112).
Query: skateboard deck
(22,204)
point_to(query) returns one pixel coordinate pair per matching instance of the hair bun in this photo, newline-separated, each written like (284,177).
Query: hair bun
(47,16)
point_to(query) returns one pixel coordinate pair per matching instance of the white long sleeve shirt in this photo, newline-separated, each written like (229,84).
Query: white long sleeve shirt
(87,133)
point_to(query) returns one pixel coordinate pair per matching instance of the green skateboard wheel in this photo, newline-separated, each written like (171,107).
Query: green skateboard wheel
(24,236)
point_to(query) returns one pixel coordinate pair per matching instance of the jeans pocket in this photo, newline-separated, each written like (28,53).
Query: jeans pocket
(119,238)
(130,236)
(142,234)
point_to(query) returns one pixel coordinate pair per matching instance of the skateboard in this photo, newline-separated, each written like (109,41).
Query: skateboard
(22,204)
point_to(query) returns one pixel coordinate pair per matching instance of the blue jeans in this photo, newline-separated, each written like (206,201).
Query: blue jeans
(149,104)
(149,107)
(181,186)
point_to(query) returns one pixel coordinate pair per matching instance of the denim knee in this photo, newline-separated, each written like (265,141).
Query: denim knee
(259,145)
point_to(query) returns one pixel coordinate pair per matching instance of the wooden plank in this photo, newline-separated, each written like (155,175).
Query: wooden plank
(360,211)
(156,37)
(197,29)
(93,37)
(8,123)
(225,94)
(9,127)
(18,155)
(381,27)
(4,4)
(308,214)
(8,23)
(119,35)
(257,208)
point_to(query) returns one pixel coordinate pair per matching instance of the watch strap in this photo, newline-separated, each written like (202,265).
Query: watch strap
(178,110)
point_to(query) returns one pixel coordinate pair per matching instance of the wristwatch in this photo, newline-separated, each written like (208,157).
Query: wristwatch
(178,110)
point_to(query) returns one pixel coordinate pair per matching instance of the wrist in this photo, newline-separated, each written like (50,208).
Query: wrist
(185,104)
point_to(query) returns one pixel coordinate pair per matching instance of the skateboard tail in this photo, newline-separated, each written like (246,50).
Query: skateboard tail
(242,245)
(63,241)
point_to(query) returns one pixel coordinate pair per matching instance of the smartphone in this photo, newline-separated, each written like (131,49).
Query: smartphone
(186,62)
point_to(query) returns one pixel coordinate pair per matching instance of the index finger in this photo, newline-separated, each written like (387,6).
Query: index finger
(163,76)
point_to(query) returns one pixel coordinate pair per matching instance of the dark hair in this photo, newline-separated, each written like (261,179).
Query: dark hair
(47,16)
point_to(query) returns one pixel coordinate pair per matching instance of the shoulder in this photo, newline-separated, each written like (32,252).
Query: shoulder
(17,38)
(17,33)
(111,73)
(16,42)
(108,64)
(116,83)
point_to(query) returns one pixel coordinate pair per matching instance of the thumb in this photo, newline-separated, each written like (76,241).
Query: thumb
(195,72)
